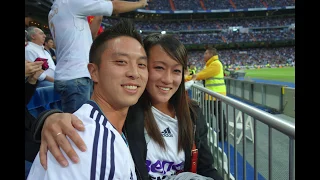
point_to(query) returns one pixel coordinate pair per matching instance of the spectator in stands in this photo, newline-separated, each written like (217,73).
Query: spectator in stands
(72,79)
(213,75)
(35,50)
(188,83)
(48,46)
(54,48)
(118,67)
(25,38)
(32,72)
(163,111)
(192,69)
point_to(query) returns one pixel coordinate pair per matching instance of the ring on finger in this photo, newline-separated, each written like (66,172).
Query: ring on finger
(59,133)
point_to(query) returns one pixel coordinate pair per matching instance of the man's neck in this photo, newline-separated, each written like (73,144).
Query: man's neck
(39,44)
(116,116)
(46,48)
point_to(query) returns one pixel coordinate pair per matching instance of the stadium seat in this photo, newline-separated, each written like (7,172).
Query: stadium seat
(248,126)
(44,98)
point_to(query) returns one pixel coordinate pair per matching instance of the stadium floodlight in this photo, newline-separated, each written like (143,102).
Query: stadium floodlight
(163,32)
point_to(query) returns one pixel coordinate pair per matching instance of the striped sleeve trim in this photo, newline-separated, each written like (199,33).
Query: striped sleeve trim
(104,149)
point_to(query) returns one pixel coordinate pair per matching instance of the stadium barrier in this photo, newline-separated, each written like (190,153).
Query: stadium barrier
(270,97)
(242,117)
(288,101)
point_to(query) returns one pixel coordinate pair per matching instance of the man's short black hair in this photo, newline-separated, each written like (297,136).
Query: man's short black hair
(212,50)
(48,39)
(123,28)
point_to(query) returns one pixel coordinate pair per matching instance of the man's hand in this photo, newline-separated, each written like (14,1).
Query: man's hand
(194,77)
(32,67)
(32,79)
(55,129)
(144,3)
(127,6)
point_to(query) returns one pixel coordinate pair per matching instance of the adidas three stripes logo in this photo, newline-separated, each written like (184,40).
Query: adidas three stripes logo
(166,133)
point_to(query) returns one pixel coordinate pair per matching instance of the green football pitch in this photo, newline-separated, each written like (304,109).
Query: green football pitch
(286,74)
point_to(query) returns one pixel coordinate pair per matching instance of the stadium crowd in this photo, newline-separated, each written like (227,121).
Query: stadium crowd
(269,29)
(217,4)
(251,56)
(217,24)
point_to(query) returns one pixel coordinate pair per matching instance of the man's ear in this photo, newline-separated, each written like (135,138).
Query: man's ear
(32,37)
(93,70)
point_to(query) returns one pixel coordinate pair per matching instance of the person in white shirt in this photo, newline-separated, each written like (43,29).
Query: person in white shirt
(71,33)
(172,124)
(118,67)
(34,50)
(25,38)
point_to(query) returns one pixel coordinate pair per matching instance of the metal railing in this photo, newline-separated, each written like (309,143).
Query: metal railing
(244,118)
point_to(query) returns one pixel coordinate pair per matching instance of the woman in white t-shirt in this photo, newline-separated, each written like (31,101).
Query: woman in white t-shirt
(169,129)
(163,126)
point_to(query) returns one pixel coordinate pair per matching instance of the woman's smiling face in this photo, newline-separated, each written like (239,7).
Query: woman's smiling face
(165,75)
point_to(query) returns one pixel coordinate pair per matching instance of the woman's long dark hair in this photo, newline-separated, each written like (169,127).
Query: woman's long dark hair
(176,50)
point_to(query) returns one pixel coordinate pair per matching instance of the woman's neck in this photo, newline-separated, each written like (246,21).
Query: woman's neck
(165,108)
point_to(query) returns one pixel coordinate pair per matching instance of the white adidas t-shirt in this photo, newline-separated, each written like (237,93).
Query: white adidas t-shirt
(107,155)
(162,163)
